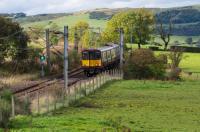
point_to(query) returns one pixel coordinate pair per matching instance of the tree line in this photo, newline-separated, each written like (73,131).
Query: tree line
(140,27)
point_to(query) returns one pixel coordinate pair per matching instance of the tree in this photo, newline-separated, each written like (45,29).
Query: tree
(198,43)
(143,27)
(175,57)
(176,42)
(53,37)
(78,31)
(137,24)
(91,39)
(13,40)
(165,32)
(189,40)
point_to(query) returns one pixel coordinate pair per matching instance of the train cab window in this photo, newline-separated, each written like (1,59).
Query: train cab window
(85,55)
(95,55)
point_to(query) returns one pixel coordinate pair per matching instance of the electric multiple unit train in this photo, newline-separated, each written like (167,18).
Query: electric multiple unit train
(97,60)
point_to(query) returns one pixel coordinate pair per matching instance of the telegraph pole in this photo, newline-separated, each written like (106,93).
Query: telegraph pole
(75,39)
(66,58)
(48,50)
(121,47)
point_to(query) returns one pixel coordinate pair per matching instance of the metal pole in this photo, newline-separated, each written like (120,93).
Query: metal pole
(66,58)
(121,47)
(42,71)
(48,49)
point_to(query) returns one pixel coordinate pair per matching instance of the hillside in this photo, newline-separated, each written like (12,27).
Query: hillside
(186,20)
(69,20)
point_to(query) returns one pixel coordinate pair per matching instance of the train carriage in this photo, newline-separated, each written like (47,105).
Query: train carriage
(96,60)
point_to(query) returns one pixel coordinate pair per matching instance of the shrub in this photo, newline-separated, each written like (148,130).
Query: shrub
(5,108)
(154,48)
(21,107)
(74,59)
(142,64)
(175,57)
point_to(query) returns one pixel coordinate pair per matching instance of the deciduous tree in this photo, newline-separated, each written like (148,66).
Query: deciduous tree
(136,23)
(165,32)
(13,40)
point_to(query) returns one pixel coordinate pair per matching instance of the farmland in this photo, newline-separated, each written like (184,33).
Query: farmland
(138,105)
(68,20)
(158,101)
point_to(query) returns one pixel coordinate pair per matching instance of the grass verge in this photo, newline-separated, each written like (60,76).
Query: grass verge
(135,105)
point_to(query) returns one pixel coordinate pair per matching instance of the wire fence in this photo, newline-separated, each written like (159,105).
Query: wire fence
(190,76)
(55,97)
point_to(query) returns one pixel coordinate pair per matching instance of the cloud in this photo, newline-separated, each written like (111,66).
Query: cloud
(55,6)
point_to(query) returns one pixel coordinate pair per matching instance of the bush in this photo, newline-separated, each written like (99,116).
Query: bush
(5,108)
(74,59)
(154,48)
(186,49)
(21,107)
(57,62)
(142,64)
(175,57)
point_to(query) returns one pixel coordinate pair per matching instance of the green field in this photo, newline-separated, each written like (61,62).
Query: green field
(138,105)
(180,39)
(68,20)
(191,62)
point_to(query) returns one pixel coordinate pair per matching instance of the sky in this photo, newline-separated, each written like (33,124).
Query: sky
(32,7)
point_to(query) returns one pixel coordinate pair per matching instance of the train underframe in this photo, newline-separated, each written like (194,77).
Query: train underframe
(91,71)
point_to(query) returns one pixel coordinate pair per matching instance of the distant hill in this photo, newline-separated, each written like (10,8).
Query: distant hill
(13,15)
(186,20)
(40,17)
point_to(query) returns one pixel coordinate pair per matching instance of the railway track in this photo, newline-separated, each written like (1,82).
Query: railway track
(73,75)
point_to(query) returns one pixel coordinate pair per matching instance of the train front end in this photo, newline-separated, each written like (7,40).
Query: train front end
(91,61)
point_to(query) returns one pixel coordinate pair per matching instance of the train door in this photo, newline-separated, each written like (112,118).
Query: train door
(85,59)
(94,58)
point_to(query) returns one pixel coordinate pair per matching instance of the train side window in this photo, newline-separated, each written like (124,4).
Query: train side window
(109,54)
(98,55)
(85,55)
(104,56)
(113,53)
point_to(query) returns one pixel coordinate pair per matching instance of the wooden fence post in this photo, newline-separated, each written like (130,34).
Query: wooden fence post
(63,96)
(13,106)
(93,84)
(85,86)
(75,91)
(38,102)
(79,90)
(103,77)
(100,80)
(47,100)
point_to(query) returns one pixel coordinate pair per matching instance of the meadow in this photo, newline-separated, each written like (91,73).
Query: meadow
(67,20)
(132,104)
(138,105)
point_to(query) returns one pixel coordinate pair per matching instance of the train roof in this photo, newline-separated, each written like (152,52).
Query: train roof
(108,46)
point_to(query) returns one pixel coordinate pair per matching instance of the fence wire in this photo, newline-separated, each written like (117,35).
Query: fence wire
(55,97)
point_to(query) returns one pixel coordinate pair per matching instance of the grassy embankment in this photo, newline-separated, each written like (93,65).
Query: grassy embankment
(138,105)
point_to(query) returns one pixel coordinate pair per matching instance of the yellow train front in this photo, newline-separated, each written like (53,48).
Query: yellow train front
(97,60)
